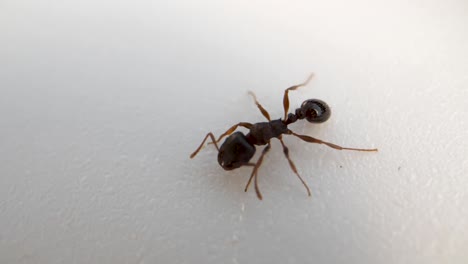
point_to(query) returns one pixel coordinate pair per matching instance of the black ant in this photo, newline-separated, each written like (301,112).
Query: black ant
(238,149)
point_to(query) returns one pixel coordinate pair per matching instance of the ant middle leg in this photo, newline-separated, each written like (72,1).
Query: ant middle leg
(331,145)
(254,173)
(292,88)
(291,164)
(203,142)
(260,107)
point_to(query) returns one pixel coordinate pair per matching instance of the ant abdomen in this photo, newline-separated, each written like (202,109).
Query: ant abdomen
(314,110)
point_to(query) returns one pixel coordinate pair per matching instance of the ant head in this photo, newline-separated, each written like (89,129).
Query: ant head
(314,110)
(235,151)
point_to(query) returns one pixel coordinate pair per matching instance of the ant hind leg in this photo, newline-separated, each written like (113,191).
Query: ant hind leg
(292,88)
(331,145)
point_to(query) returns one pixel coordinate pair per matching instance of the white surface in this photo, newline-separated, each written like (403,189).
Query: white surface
(103,101)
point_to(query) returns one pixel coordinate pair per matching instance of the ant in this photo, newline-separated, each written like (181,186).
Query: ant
(238,149)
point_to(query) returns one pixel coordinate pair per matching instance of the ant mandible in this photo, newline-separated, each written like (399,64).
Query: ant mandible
(238,149)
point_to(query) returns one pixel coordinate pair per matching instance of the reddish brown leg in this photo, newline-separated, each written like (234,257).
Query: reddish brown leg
(203,142)
(293,167)
(331,145)
(286,97)
(260,107)
(233,128)
(254,173)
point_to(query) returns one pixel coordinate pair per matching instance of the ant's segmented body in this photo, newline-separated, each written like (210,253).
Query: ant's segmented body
(238,149)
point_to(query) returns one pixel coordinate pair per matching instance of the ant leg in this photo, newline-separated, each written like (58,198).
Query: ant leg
(260,107)
(286,97)
(233,128)
(293,167)
(331,145)
(254,173)
(203,142)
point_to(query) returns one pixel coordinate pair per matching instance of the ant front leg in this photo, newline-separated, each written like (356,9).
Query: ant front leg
(233,128)
(331,145)
(203,142)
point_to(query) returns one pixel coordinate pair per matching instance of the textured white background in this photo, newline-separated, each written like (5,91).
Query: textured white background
(101,103)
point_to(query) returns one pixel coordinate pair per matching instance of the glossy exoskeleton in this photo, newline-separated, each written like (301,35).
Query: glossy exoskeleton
(238,149)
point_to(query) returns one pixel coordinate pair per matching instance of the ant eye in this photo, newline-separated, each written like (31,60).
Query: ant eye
(315,110)
(226,165)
